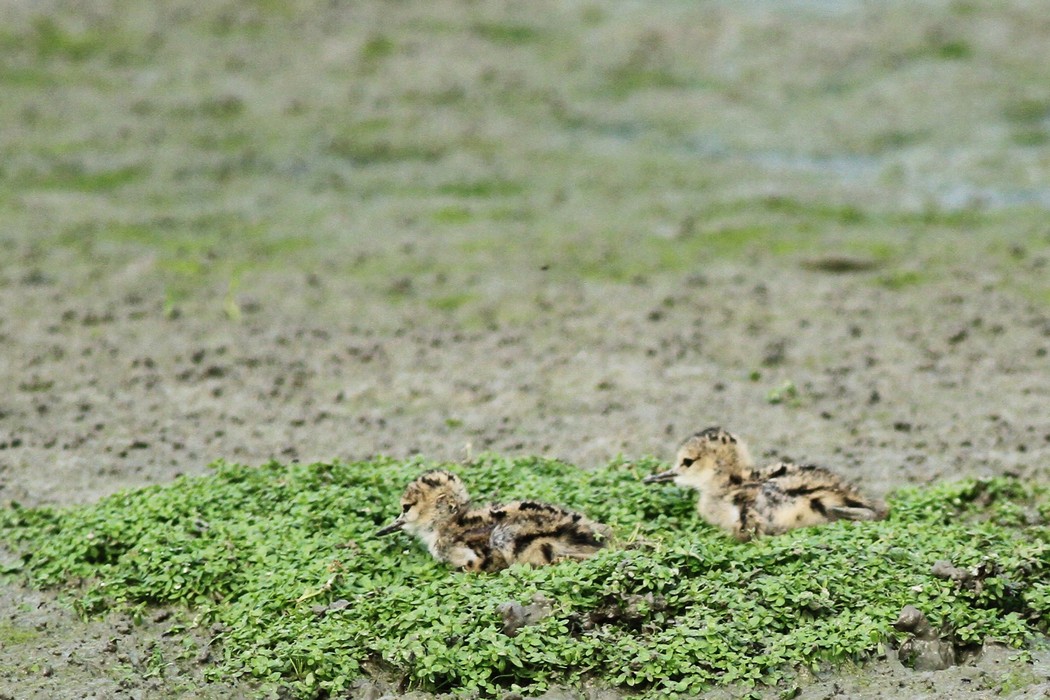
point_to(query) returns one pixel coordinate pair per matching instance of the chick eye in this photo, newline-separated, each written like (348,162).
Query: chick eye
(686,461)
(405,508)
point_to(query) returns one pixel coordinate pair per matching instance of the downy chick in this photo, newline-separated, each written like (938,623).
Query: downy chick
(436,508)
(746,501)
(717,465)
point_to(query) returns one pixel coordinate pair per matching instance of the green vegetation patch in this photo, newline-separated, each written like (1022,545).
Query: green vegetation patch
(50,39)
(284,559)
(502,33)
(75,176)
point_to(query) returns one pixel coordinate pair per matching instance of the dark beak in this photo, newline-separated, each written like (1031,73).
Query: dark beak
(661,477)
(392,527)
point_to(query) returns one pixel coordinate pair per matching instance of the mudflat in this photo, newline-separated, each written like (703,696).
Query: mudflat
(308,231)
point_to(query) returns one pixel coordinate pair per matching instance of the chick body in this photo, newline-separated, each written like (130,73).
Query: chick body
(747,501)
(436,509)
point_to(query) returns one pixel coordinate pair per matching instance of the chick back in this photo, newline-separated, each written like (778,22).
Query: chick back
(793,495)
(530,532)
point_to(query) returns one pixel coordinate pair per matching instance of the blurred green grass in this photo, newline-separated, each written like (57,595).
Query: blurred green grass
(602,141)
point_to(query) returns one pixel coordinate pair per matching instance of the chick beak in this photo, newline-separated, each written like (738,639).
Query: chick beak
(392,527)
(661,477)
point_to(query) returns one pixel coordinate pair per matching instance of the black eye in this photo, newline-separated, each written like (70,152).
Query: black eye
(405,508)
(686,461)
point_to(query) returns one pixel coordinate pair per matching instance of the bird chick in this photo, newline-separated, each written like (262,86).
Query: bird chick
(436,509)
(717,465)
(746,501)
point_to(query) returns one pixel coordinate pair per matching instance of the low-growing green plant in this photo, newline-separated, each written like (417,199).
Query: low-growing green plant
(786,393)
(284,559)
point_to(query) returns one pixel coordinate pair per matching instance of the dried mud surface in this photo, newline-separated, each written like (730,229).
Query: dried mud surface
(893,387)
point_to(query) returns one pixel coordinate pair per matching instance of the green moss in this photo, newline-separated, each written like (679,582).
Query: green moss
(1015,680)
(1030,137)
(965,8)
(74,176)
(1030,117)
(953,49)
(51,39)
(894,139)
(631,78)
(286,559)
(364,149)
(843,214)
(878,251)
(784,393)
(503,33)
(943,48)
(16,635)
(899,279)
(521,214)
(221,106)
(29,76)
(489,187)
(451,302)
(377,48)
(452,215)
(1027,111)
(649,65)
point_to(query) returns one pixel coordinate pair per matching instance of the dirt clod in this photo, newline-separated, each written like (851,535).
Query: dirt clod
(925,650)
(515,616)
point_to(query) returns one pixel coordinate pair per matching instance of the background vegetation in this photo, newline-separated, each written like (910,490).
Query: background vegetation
(417,150)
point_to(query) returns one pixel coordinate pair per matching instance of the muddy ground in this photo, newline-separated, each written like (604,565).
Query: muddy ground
(307,231)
